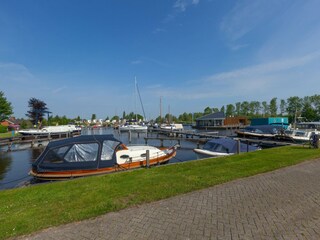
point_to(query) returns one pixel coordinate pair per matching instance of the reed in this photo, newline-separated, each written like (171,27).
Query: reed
(29,209)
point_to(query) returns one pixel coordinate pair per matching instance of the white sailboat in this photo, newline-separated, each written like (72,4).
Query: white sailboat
(135,127)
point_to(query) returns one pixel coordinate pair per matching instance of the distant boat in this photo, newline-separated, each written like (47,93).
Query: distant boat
(133,127)
(88,155)
(171,126)
(52,130)
(223,147)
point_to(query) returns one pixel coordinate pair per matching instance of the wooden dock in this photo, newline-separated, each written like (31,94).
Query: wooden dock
(201,138)
(32,141)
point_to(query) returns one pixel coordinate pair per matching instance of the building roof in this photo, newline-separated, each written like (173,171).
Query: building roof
(216,115)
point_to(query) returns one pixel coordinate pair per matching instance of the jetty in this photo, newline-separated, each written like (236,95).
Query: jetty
(32,141)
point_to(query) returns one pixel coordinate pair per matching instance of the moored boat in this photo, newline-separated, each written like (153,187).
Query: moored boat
(260,131)
(88,155)
(52,130)
(134,128)
(296,135)
(223,147)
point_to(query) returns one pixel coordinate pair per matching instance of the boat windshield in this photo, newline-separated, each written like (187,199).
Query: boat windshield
(108,149)
(301,134)
(215,147)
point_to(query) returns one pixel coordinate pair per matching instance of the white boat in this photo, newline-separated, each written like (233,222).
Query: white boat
(171,126)
(52,130)
(223,147)
(134,128)
(297,135)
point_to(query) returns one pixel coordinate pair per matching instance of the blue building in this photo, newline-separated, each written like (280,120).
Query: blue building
(276,121)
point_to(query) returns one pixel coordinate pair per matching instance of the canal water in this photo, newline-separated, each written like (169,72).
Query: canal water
(15,165)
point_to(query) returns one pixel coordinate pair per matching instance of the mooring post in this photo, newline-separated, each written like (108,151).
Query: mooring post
(146,141)
(238,146)
(148,158)
(161,140)
(129,133)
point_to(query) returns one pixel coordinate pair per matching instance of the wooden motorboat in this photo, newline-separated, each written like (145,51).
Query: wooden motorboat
(88,155)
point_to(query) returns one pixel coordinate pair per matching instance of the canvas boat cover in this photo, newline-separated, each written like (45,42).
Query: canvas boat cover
(85,152)
(227,145)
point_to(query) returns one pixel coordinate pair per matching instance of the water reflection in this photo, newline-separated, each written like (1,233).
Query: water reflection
(14,167)
(5,164)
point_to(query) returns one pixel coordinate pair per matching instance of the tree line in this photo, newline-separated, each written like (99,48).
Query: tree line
(293,107)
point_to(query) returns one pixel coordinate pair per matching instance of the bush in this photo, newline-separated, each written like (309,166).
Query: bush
(3,129)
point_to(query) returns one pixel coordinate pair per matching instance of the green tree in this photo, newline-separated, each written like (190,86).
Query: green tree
(37,110)
(222,109)
(207,111)
(265,109)
(238,108)
(5,107)
(273,107)
(230,110)
(93,117)
(244,108)
(294,107)
(283,106)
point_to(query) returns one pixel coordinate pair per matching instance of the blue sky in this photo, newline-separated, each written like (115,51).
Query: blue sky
(81,57)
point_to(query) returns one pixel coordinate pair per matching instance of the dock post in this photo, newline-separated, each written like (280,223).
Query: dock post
(198,144)
(146,141)
(238,146)
(161,142)
(148,158)
(129,132)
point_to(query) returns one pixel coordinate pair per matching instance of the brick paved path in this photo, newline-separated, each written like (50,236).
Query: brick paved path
(284,204)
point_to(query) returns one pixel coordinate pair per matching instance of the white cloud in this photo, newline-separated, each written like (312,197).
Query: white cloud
(245,16)
(15,73)
(57,90)
(266,68)
(182,5)
(135,62)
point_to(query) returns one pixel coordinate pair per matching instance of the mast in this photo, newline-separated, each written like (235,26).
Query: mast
(160,110)
(144,114)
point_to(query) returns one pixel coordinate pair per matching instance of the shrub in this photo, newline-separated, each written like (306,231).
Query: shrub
(3,129)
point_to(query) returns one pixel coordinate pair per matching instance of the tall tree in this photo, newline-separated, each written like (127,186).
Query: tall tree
(265,108)
(207,111)
(283,106)
(238,108)
(222,109)
(93,117)
(5,107)
(273,107)
(230,110)
(37,110)
(294,107)
(244,108)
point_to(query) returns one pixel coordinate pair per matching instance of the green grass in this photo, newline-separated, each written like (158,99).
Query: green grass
(29,209)
(7,134)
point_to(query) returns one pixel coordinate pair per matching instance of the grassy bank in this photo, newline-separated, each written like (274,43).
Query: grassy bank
(29,209)
(7,135)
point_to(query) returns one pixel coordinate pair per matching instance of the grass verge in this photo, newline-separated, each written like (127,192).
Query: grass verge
(7,135)
(29,209)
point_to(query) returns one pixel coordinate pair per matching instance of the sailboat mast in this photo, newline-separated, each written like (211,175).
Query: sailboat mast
(160,110)
(135,96)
